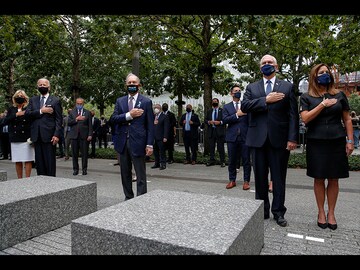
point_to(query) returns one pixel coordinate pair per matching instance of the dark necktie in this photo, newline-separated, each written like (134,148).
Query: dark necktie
(131,103)
(42,101)
(268,87)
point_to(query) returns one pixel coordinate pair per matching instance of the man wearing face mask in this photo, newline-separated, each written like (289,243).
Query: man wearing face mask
(190,123)
(80,135)
(169,145)
(133,115)
(45,112)
(273,132)
(215,132)
(161,134)
(237,126)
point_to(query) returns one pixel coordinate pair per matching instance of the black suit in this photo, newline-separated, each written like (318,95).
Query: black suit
(216,134)
(95,127)
(43,127)
(161,132)
(79,133)
(169,145)
(191,137)
(271,126)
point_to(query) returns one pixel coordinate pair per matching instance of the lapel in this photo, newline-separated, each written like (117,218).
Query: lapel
(48,100)
(277,84)
(138,101)
(261,89)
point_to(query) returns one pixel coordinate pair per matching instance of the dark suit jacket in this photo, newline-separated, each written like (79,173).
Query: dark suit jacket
(220,129)
(194,128)
(279,121)
(18,127)
(46,124)
(161,129)
(140,129)
(172,123)
(234,123)
(96,126)
(81,128)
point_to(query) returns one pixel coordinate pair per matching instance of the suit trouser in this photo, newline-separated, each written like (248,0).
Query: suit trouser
(236,149)
(276,159)
(190,143)
(45,158)
(219,141)
(83,146)
(126,162)
(159,153)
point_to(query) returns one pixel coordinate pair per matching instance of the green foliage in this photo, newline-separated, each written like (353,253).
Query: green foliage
(354,103)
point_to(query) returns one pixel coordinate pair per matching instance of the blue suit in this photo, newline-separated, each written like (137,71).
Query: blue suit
(132,137)
(235,138)
(271,126)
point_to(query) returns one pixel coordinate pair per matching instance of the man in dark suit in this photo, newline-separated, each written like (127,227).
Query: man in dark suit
(46,115)
(133,118)
(103,131)
(190,123)
(215,132)
(161,134)
(95,127)
(80,135)
(273,132)
(169,145)
(237,126)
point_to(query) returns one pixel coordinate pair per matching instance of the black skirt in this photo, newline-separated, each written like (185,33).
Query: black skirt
(327,158)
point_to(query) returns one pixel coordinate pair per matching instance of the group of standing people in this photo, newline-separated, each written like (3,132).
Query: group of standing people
(261,129)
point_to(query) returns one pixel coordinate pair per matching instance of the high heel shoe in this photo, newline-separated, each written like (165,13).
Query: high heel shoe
(322,225)
(331,226)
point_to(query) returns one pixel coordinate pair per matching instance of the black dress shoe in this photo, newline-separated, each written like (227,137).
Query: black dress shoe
(281,221)
(155,166)
(162,167)
(210,163)
(266,216)
(223,165)
(84,172)
(75,173)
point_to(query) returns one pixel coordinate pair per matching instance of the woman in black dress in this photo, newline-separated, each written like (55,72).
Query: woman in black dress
(325,111)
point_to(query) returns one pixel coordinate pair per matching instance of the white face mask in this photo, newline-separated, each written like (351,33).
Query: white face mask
(156,110)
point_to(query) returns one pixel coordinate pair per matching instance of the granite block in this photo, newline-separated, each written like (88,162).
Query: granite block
(33,206)
(3,175)
(172,223)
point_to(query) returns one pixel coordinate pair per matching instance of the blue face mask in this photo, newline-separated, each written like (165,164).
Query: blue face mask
(79,107)
(132,89)
(324,79)
(237,94)
(267,69)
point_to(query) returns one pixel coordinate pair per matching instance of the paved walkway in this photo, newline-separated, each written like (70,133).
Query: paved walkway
(301,237)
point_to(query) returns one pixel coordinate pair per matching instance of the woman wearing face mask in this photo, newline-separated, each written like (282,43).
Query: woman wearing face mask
(19,132)
(325,111)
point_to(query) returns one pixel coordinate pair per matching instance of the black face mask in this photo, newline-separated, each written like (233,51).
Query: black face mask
(164,108)
(102,118)
(132,89)
(19,100)
(43,90)
(188,109)
(215,104)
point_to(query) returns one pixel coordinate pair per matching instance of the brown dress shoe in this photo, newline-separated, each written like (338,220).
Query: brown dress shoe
(193,162)
(231,184)
(246,185)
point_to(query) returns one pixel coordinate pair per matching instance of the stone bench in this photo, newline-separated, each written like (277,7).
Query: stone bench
(3,175)
(33,206)
(172,223)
